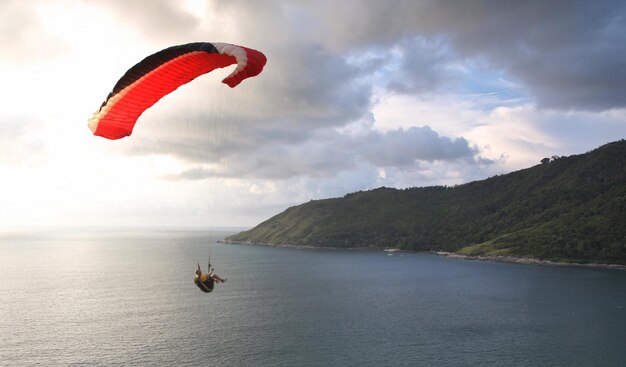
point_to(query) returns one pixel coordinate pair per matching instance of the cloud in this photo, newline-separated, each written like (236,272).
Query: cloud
(301,91)
(425,66)
(326,59)
(157,19)
(331,151)
(23,36)
(309,87)
(18,143)
(568,55)
(402,148)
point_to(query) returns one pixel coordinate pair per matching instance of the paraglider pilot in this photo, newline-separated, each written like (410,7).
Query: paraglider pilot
(206,282)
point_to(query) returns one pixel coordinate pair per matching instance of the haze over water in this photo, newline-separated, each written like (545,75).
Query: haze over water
(127,298)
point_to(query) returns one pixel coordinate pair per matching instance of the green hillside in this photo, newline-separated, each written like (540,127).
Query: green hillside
(569,209)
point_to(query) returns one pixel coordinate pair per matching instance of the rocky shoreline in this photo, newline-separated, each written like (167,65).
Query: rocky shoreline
(503,259)
(527,261)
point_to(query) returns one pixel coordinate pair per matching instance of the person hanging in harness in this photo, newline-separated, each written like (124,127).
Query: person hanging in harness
(206,282)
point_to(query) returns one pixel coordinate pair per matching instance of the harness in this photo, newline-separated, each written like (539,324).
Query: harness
(206,286)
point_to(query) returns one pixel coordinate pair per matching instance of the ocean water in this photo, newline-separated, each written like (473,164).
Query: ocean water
(127,298)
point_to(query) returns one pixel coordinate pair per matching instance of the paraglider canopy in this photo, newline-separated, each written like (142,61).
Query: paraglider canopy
(163,72)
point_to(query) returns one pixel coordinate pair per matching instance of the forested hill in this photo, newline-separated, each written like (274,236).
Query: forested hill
(564,209)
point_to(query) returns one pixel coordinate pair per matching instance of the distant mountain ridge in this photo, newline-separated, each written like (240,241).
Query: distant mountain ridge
(566,209)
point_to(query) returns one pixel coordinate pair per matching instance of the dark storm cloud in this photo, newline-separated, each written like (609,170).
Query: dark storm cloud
(307,86)
(331,151)
(402,148)
(568,54)
(424,67)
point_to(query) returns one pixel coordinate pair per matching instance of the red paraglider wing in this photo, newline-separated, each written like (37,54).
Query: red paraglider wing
(163,72)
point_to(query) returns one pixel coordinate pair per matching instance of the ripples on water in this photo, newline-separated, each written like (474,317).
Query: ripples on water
(127,298)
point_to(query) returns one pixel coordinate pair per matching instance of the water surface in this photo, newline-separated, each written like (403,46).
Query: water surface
(127,298)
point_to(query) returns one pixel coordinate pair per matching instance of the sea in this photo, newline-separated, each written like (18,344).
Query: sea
(126,297)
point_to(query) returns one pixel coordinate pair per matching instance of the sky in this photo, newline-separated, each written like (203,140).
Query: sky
(355,95)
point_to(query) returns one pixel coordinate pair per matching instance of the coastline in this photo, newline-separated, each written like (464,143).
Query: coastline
(501,258)
(527,261)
